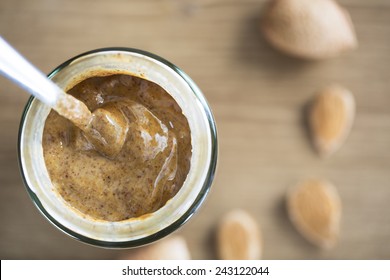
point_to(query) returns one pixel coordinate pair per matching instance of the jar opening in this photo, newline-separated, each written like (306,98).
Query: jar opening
(178,209)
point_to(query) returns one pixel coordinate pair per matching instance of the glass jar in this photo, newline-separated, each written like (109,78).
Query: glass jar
(147,228)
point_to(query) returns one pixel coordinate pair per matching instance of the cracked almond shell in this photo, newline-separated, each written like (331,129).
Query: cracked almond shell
(314,208)
(309,29)
(330,118)
(238,237)
(169,248)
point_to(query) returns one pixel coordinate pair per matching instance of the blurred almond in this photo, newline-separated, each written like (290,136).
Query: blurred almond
(238,237)
(169,248)
(314,208)
(310,29)
(331,115)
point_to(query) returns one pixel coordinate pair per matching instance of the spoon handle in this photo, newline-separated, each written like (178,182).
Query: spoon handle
(15,67)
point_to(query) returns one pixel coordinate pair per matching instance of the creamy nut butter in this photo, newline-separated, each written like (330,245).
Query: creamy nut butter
(150,167)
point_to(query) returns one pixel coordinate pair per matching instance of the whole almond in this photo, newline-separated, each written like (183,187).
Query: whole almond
(330,118)
(314,208)
(310,29)
(169,248)
(238,237)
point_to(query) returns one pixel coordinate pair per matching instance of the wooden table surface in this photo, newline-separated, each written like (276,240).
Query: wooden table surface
(257,96)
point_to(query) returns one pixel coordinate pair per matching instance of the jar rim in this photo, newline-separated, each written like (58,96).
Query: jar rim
(196,203)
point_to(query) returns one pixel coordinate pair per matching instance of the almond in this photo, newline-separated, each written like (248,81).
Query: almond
(314,208)
(330,118)
(170,248)
(238,237)
(310,29)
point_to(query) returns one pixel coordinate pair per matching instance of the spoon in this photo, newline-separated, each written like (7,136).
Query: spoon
(105,130)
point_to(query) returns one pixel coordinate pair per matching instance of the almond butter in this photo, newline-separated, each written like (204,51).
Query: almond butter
(238,237)
(169,248)
(314,208)
(330,118)
(310,29)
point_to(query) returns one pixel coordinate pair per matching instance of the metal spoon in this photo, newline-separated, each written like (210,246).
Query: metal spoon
(105,132)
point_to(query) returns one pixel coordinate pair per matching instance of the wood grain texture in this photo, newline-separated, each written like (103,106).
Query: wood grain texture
(258,97)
